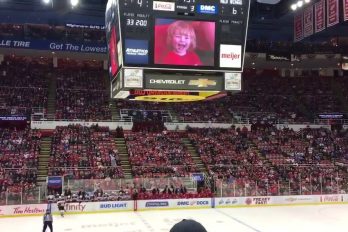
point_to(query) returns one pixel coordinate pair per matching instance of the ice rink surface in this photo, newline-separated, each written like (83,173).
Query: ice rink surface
(323,218)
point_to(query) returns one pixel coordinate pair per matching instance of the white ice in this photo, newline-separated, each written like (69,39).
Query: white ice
(323,218)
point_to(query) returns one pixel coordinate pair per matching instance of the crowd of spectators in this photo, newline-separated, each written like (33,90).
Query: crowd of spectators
(19,151)
(23,85)
(227,154)
(160,154)
(274,161)
(134,191)
(82,95)
(265,97)
(289,47)
(307,158)
(80,152)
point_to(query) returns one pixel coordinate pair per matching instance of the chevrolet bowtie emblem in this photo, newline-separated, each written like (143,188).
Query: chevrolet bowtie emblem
(202,83)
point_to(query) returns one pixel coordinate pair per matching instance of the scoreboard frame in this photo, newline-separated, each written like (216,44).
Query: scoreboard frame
(140,76)
(142,29)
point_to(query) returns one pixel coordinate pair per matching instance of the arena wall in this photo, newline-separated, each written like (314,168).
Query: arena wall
(51,125)
(166,204)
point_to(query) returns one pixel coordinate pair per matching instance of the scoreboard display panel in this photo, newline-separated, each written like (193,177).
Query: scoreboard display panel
(176,50)
(192,35)
(113,37)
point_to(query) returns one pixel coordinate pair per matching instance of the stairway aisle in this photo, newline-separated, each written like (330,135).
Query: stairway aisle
(44,158)
(196,158)
(125,164)
(52,93)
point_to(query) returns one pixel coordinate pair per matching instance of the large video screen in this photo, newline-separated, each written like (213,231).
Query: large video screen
(113,38)
(113,53)
(183,34)
(184,42)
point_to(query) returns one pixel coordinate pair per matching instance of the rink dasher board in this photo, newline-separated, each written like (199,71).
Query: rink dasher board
(71,208)
(255,201)
(173,204)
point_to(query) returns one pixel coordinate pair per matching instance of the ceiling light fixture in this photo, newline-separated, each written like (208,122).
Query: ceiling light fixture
(74,2)
(293,7)
(300,3)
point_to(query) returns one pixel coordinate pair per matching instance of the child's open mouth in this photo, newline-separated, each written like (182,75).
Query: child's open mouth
(181,46)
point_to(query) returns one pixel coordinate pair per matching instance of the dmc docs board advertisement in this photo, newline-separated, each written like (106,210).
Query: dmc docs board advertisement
(174,204)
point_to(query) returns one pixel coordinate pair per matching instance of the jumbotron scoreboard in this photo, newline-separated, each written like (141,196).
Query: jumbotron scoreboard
(175,50)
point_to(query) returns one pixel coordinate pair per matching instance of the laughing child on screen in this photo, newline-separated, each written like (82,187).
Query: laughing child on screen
(181,39)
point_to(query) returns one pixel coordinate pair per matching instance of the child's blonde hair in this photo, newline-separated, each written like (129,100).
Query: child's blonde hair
(181,27)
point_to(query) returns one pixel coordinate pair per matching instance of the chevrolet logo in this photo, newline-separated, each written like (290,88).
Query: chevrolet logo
(202,83)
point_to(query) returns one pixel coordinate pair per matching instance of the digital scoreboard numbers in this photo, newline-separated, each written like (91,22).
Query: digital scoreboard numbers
(136,25)
(186,7)
(184,34)
(134,4)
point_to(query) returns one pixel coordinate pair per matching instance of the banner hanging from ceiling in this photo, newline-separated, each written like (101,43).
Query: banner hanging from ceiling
(319,16)
(308,21)
(333,14)
(345,10)
(298,27)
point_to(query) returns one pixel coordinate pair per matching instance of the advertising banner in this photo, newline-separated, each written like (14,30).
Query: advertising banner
(133,78)
(53,46)
(174,203)
(278,57)
(187,82)
(227,202)
(295,200)
(18,210)
(233,81)
(55,182)
(13,118)
(298,27)
(257,200)
(266,200)
(230,56)
(332,12)
(345,10)
(319,16)
(331,198)
(308,21)
(137,51)
(75,207)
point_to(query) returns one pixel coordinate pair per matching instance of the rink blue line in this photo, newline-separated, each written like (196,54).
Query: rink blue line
(239,221)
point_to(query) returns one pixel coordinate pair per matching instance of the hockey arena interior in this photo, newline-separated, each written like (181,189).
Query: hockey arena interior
(174,115)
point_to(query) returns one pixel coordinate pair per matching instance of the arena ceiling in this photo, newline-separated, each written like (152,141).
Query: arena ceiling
(269,19)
